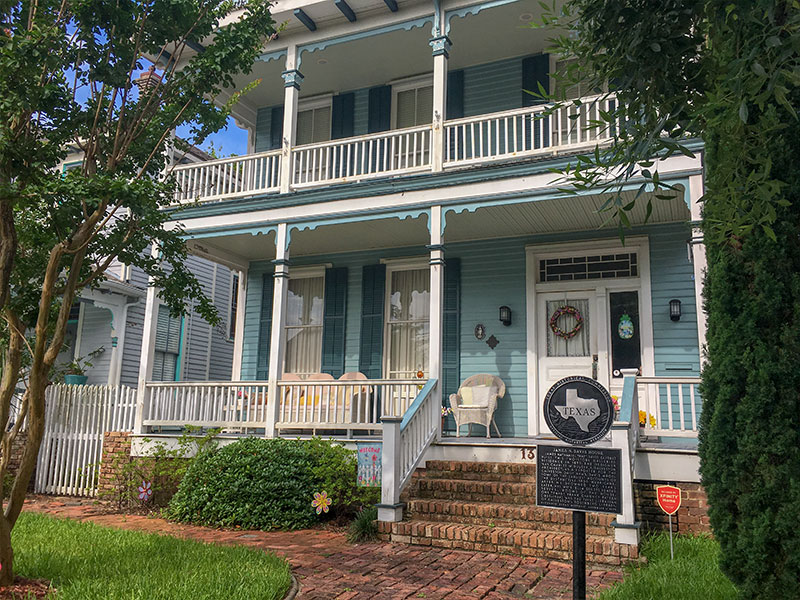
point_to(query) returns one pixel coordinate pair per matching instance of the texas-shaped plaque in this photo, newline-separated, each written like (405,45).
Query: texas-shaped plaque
(578,410)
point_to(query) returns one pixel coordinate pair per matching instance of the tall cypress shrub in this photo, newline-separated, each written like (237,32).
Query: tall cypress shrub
(750,426)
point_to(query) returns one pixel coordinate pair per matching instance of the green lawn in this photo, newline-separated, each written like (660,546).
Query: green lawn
(88,562)
(693,575)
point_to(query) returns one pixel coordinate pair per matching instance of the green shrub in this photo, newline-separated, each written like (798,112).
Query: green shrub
(364,527)
(268,484)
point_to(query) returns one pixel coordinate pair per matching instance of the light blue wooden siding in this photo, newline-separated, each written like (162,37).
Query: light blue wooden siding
(672,276)
(493,275)
(488,88)
(263,129)
(493,87)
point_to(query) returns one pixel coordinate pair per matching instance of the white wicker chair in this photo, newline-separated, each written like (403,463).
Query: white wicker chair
(466,414)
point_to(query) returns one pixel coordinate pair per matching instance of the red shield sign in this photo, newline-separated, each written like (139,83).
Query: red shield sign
(669,498)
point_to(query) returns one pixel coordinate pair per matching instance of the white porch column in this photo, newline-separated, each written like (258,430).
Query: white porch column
(238,333)
(436,313)
(277,345)
(292,78)
(441,54)
(148,347)
(698,250)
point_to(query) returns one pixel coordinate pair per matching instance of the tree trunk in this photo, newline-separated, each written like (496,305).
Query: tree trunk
(6,554)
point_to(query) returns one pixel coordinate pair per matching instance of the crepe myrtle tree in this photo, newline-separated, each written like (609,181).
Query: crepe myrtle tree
(68,72)
(726,72)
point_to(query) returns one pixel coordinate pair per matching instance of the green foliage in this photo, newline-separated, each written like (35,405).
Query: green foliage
(693,575)
(88,562)
(364,527)
(268,484)
(726,71)
(162,467)
(681,69)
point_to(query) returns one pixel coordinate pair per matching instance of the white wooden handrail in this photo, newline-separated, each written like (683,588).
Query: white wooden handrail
(405,441)
(674,403)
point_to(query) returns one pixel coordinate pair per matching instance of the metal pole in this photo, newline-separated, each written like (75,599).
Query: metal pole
(671,553)
(578,555)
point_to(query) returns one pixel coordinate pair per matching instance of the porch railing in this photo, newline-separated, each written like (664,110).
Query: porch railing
(307,405)
(527,131)
(344,404)
(205,404)
(381,154)
(228,178)
(671,406)
(467,142)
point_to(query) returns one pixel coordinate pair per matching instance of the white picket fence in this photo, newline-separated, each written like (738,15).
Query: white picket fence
(76,416)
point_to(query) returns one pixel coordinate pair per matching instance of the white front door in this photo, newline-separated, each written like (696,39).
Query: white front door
(568,330)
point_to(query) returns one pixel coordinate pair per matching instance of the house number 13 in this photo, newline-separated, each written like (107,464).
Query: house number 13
(528,453)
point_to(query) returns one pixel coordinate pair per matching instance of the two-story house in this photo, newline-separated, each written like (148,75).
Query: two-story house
(397,221)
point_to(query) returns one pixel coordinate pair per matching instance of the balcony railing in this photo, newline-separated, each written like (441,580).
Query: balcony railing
(673,403)
(484,139)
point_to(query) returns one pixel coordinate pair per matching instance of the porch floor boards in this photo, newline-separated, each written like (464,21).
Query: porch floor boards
(491,507)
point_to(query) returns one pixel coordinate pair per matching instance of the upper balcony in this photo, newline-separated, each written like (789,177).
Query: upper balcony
(428,87)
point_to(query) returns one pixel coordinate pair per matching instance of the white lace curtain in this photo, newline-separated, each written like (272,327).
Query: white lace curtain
(408,327)
(305,306)
(577,345)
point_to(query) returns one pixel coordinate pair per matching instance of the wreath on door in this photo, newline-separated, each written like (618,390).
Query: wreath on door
(560,312)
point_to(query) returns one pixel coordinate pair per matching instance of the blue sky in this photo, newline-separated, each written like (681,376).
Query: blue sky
(226,142)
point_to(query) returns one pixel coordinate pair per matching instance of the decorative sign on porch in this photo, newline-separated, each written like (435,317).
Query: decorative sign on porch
(575,478)
(369,464)
(578,410)
(669,499)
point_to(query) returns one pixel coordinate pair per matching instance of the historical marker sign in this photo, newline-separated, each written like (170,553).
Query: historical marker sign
(582,479)
(669,498)
(578,410)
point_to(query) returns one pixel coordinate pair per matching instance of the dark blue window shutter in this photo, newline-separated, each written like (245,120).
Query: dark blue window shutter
(343,116)
(373,291)
(264,326)
(334,321)
(535,71)
(455,94)
(276,128)
(451,328)
(380,109)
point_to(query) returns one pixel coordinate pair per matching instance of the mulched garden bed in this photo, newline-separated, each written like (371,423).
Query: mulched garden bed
(27,589)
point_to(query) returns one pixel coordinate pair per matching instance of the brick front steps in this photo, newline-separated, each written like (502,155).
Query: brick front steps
(491,507)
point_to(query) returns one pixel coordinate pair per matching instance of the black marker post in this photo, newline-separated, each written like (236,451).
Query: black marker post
(579,411)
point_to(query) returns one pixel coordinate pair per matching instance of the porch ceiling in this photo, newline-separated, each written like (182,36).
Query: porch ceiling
(578,213)
(380,59)
(560,215)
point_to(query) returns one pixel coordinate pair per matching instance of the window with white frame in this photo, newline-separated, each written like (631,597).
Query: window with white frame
(407,320)
(413,102)
(167,346)
(314,120)
(304,312)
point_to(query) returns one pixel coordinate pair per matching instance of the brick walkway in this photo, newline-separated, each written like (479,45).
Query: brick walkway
(329,568)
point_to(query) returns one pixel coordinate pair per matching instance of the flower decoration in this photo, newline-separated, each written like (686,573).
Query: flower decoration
(615,401)
(568,311)
(420,374)
(145,491)
(446,410)
(646,418)
(321,502)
